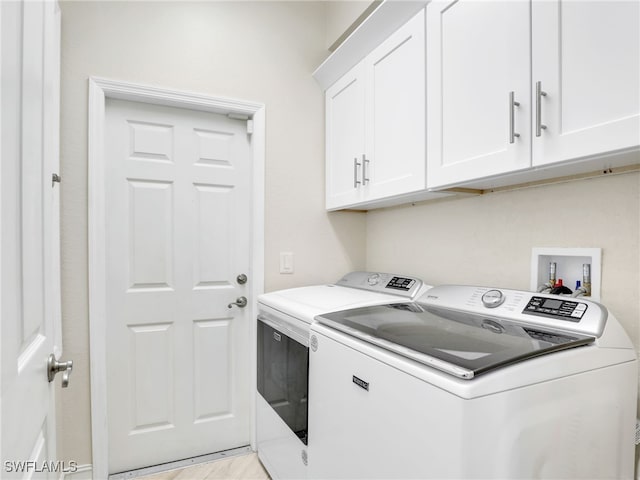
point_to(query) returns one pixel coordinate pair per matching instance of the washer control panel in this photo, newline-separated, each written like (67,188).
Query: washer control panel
(551,307)
(493,298)
(566,314)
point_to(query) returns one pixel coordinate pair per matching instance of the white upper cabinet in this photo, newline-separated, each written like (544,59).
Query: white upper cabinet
(345,138)
(586,58)
(375,125)
(572,66)
(478,89)
(395,114)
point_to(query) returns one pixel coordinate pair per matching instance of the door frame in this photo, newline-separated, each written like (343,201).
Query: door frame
(99,90)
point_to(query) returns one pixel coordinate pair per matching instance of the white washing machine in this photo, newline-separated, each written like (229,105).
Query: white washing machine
(284,318)
(472,382)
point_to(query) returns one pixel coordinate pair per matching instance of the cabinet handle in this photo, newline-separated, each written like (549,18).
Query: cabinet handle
(365,162)
(356,182)
(512,127)
(539,94)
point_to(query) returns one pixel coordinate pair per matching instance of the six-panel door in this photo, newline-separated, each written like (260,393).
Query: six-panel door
(30,288)
(178,189)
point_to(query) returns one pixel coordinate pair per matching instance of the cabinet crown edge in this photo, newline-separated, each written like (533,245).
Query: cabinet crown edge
(379,25)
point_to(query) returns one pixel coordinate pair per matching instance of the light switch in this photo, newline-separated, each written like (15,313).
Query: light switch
(286,262)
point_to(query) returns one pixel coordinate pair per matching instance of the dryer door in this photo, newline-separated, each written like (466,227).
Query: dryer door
(283,370)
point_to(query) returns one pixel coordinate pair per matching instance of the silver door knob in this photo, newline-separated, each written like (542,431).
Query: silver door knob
(240,302)
(241,279)
(54,366)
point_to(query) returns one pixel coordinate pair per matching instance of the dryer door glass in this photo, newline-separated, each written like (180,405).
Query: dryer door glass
(283,369)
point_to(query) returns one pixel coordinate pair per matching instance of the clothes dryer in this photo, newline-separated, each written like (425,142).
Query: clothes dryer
(284,318)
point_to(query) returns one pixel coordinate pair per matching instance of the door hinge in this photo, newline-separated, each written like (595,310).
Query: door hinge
(55,178)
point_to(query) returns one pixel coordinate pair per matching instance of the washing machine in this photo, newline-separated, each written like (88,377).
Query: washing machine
(284,319)
(472,382)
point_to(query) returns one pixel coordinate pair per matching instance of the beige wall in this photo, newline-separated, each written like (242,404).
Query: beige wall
(342,17)
(263,52)
(487,240)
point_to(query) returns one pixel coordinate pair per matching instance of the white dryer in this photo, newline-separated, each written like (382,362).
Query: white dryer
(284,318)
(472,382)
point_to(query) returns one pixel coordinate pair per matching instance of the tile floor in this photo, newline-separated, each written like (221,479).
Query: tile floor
(240,467)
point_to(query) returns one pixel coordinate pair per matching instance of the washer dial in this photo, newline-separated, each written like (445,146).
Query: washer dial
(493,298)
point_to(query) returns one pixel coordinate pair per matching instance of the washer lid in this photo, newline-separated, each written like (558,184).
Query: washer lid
(461,344)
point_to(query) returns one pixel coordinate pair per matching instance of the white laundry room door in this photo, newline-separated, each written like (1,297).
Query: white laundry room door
(178,217)
(29,258)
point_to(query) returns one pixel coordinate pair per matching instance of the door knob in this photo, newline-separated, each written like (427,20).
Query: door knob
(240,302)
(241,279)
(54,366)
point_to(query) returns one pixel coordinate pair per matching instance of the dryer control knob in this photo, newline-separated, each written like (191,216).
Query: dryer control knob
(373,279)
(493,298)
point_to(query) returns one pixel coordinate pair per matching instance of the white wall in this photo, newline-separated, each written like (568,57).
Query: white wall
(258,51)
(487,240)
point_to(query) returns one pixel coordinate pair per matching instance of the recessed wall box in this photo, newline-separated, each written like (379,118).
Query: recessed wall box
(569,267)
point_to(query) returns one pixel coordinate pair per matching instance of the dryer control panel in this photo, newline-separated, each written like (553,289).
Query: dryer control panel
(383,282)
(551,307)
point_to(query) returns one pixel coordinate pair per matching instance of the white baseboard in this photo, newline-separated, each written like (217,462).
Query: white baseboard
(83,472)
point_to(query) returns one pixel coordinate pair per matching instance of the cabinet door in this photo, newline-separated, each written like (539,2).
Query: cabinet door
(395,113)
(345,139)
(586,56)
(479,52)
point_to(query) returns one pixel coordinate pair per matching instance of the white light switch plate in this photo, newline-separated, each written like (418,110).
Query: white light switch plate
(286,262)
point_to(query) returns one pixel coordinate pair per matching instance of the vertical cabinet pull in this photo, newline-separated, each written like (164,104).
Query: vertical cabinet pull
(539,94)
(512,127)
(365,163)
(356,164)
